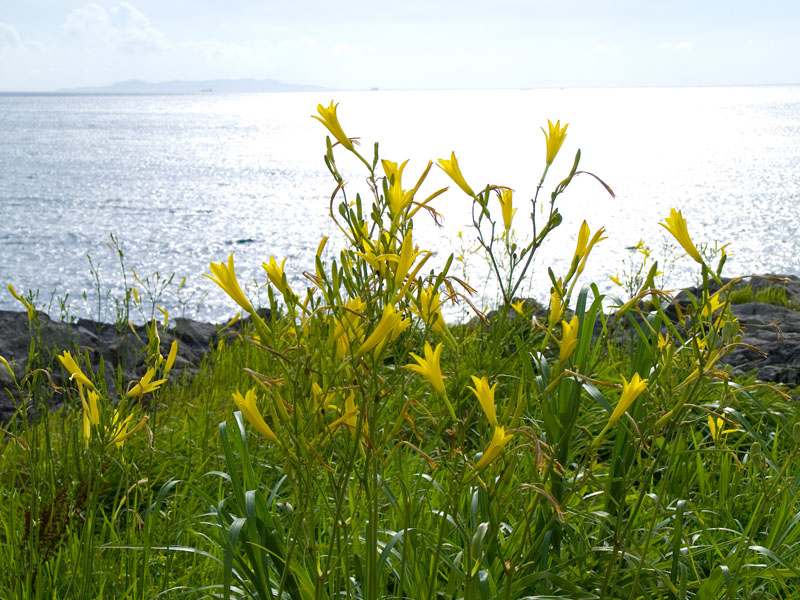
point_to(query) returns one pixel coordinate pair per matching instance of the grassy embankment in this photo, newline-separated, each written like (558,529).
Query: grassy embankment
(379,453)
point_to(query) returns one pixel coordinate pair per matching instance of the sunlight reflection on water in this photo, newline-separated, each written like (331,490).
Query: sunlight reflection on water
(184,180)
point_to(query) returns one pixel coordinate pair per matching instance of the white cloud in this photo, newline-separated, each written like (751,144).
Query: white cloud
(124,27)
(601,48)
(9,38)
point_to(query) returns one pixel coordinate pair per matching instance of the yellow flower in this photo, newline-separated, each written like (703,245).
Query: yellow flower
(662,341)
(676,225)
(452,169)
(715,427)
(8,368)
(554,139)
(331,121)
(91,413)
(519,307)
(350,327)
(630,391)
(408,254)
(398,199)
(351,414)
(499,439)
(225,277)
(429,367)
(119,429)
(173,352)
(29,308)
(275,274)
(584,246)
(714,304)
(247,404)
(430,310)
(75,371)
(556,304)
(505,198)
(569,339)
(145,386)
(485,395)
(391,324)
(374,259)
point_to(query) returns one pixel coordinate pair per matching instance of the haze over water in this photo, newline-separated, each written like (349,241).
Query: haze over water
(184,180)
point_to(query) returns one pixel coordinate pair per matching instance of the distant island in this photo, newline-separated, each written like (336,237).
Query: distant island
(137,86)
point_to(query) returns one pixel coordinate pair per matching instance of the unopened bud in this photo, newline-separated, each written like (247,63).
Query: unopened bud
(756,456)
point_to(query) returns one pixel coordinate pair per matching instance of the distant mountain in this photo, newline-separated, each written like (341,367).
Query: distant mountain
(137,86)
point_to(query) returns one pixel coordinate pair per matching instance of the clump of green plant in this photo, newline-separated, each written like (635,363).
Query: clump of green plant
(771,294)
(67,467)
(405,457)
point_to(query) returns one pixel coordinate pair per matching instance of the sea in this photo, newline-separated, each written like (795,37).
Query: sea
(165,184)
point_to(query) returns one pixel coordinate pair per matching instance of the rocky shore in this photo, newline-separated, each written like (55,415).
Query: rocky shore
(775,330)
(121,348)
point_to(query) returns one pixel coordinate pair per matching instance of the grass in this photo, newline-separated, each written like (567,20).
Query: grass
(773,294)
(710,516)
(378,452)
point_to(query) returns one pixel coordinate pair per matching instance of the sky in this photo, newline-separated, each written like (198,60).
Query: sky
(359,44)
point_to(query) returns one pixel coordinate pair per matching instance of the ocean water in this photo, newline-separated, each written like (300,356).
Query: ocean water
(185,180)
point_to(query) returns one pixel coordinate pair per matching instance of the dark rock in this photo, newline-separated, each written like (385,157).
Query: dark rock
(775,331)
(122,348)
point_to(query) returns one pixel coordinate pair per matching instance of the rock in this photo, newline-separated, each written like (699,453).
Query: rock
(121,348)
(774,330)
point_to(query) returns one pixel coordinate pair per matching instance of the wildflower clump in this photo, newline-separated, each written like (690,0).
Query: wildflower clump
(382,449)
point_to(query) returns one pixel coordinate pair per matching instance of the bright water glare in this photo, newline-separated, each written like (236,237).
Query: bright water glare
(185,180)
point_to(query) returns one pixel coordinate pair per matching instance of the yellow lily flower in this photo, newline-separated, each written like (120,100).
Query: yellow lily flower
(144,385)
(173,353)
(715,427)
(8,368)
(554,139)
(676,225)
(499,440)
(29,308)
(505,198)
(91,413)
(519,307)
(351,413)
(630,391)
(452,169)
(120,431)
(247,404)
(350,327)
(408,253)
(398,199)
(391,324)
(556,305)
(374,259)
(662,341)
(569,339)
(75,371)
(331,121)
(485,395)
(429,309)
(584,246)
(275,274)
(714,304)
(429,367)
(225,277)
